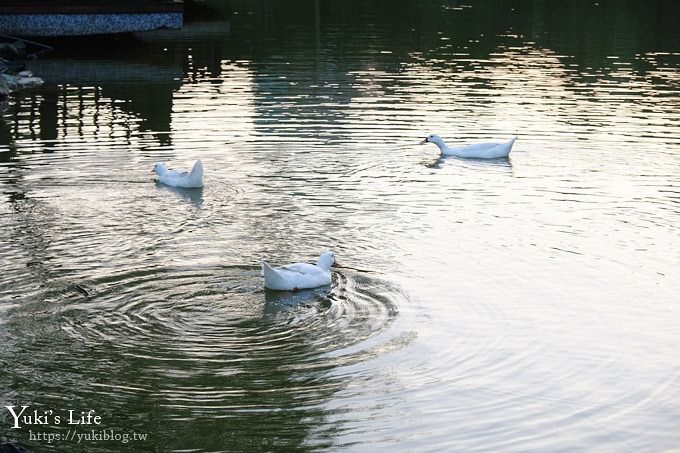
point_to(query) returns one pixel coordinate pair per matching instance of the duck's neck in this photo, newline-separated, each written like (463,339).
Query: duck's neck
(324,265)
(440,143)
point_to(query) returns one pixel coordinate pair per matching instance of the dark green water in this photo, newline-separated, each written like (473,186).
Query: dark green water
(525,304)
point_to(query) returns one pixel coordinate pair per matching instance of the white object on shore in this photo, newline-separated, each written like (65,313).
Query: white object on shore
(477,150)
(25,82)
(293,277)
(175,178)
(21,81)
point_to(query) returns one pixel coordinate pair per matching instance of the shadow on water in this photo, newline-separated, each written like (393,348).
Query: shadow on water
(193,196)
(283,300)
(499,163)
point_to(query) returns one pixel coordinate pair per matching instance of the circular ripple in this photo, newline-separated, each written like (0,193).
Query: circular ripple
(220,323)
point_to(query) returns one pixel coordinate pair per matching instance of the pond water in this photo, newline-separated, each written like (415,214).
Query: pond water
(521,304)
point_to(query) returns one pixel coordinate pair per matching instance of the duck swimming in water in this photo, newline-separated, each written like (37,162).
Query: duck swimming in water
(176,178)
(296,276)
(474,151)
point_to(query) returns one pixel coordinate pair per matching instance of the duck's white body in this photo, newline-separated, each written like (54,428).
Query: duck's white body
(475,151)
(299,275)
(190,180)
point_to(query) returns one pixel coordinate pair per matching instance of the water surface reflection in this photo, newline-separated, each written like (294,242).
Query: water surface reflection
(520,304)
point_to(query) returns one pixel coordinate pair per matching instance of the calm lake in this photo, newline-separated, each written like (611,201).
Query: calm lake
(521,304)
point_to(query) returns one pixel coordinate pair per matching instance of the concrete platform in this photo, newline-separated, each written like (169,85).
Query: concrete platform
(51,18)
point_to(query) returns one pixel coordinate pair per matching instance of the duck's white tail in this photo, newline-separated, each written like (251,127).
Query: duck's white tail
(508,146)
(194,179)
(272,279)
(197,170)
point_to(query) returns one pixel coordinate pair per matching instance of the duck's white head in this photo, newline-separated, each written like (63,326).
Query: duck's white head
(159,169)
(326,260)
(436,139)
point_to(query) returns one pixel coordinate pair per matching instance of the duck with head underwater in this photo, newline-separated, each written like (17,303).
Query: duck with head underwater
(296,276)
(176,178)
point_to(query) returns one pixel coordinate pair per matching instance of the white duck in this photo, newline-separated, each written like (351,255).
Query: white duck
(175,178)
(477,150)
(293,277)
